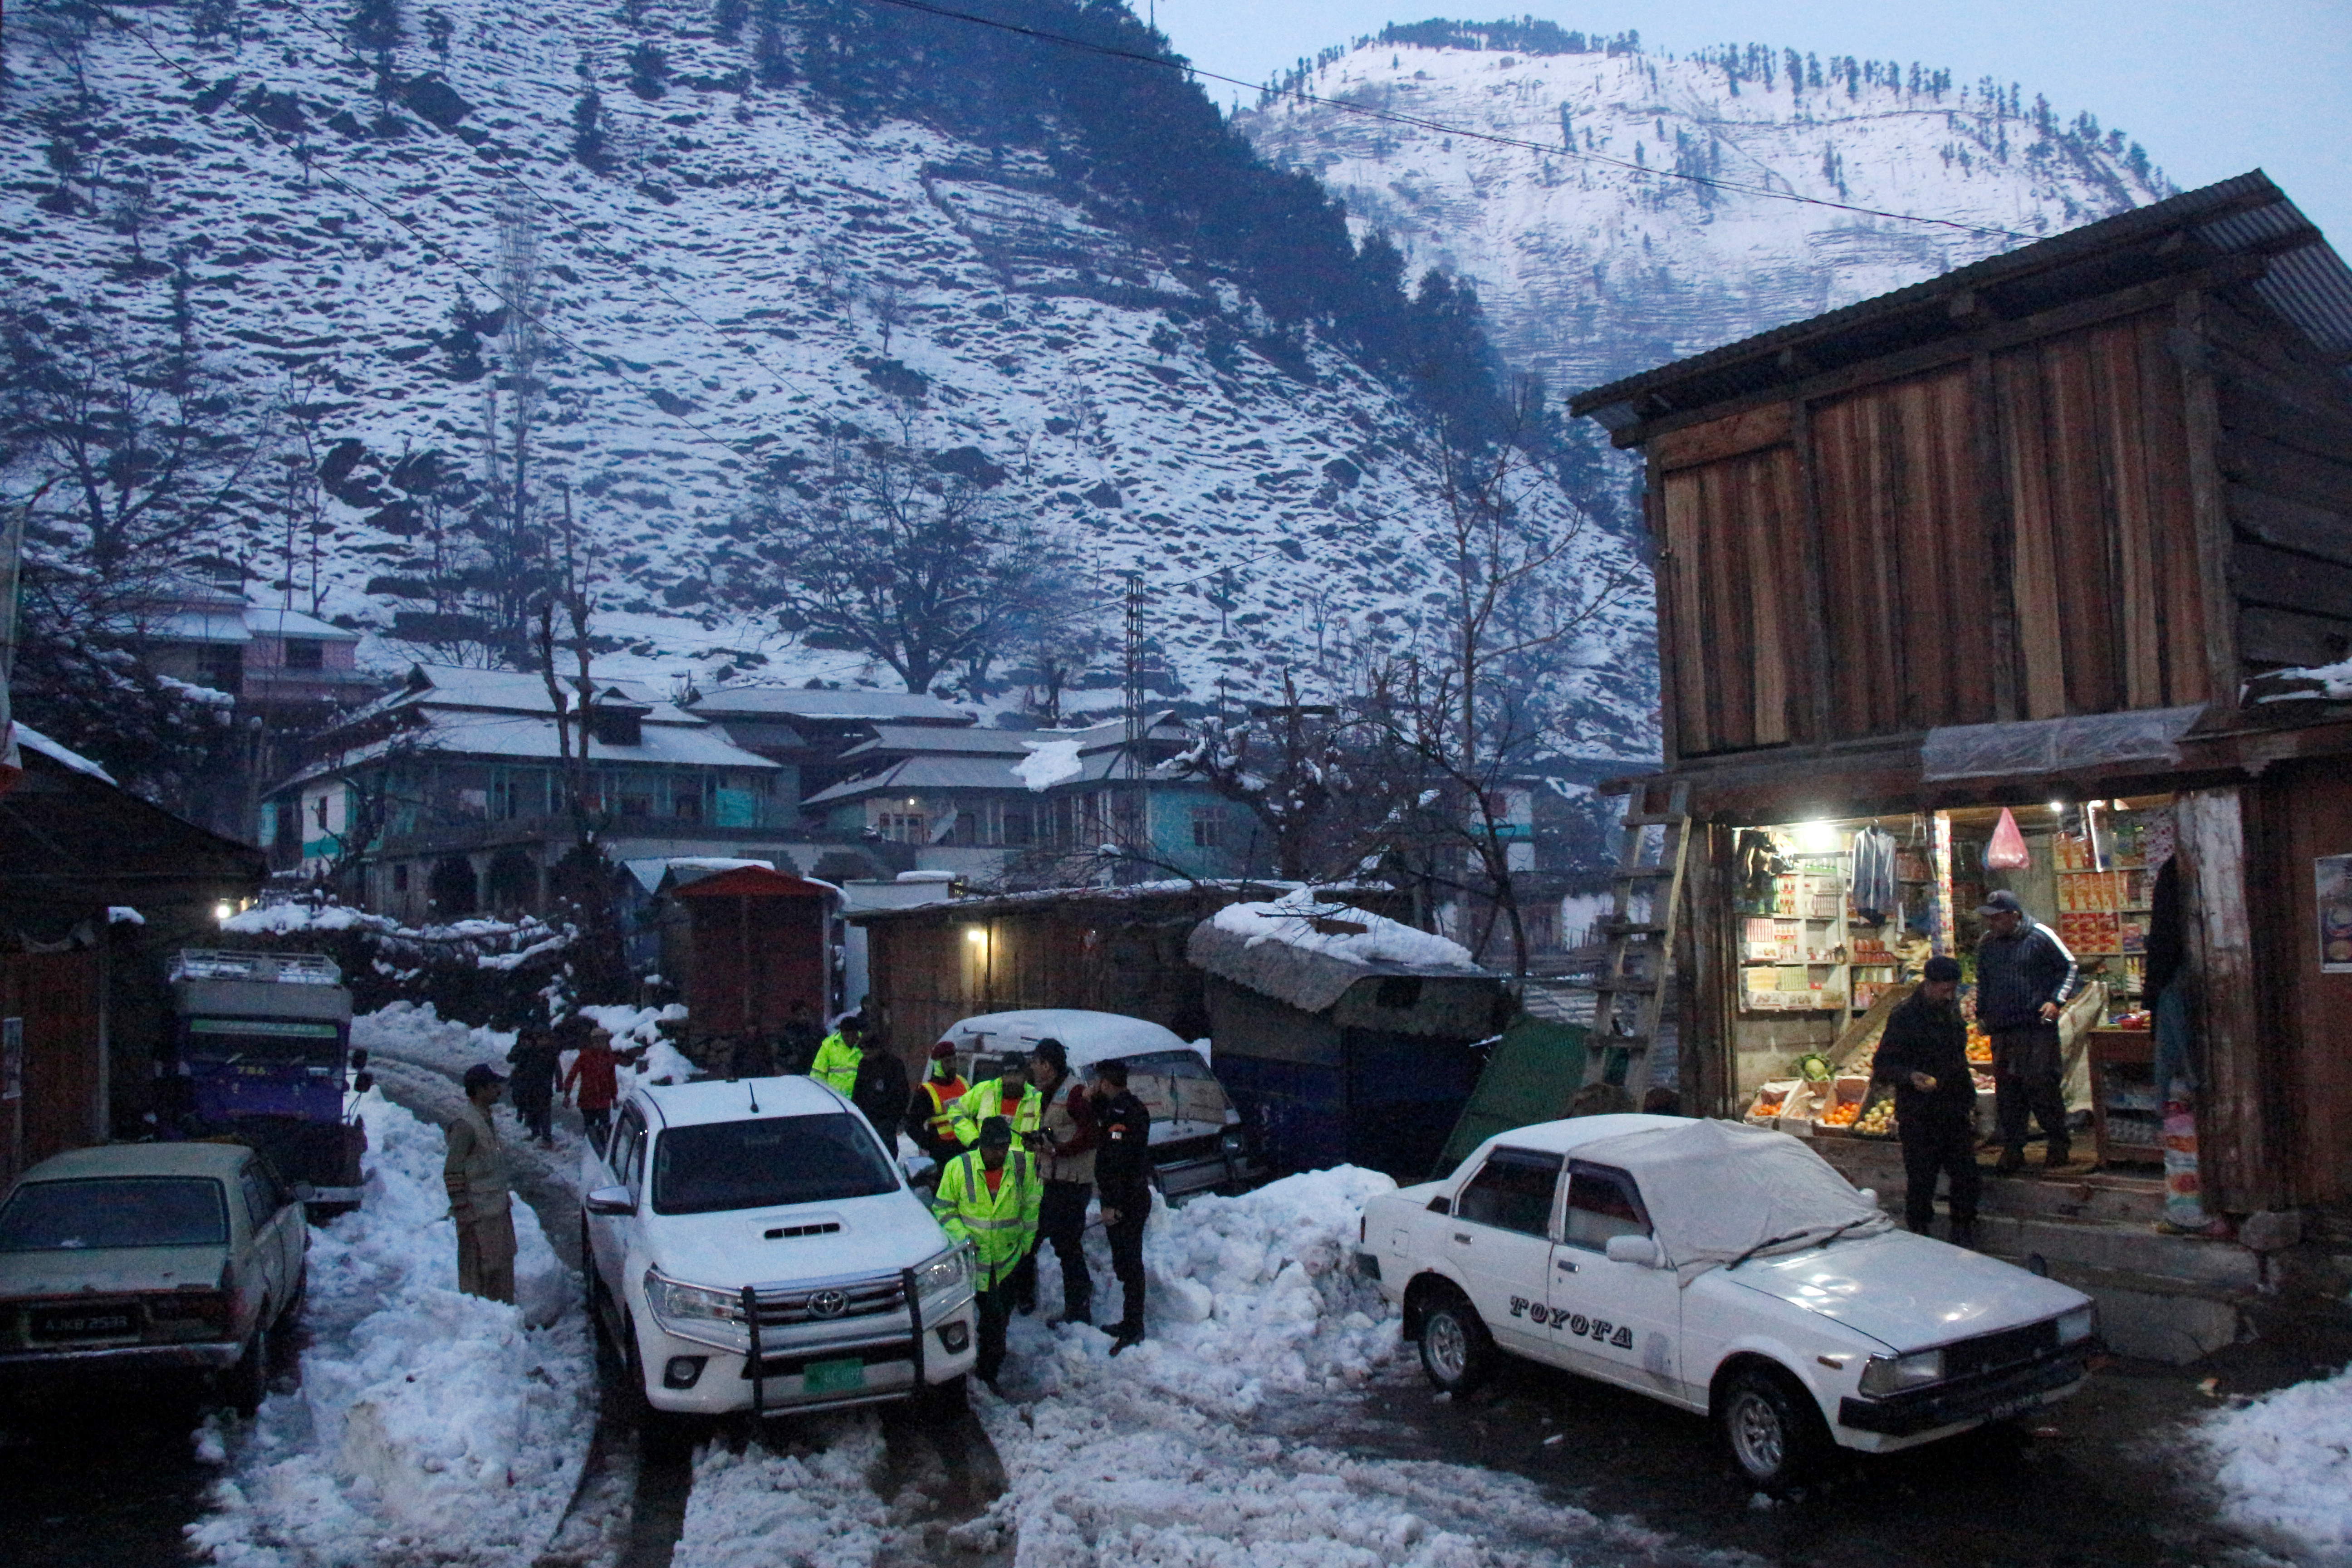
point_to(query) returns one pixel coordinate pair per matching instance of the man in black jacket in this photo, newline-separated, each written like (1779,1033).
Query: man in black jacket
(1925,1054)
(2025,976)
(1123,1177)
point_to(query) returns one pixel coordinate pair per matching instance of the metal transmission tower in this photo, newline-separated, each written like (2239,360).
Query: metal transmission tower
(1136,751)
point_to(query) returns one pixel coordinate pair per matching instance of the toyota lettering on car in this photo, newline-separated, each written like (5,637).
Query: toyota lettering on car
(1726,1269)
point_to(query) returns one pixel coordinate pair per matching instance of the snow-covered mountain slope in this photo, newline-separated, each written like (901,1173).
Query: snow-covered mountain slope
(1589,269)
(747,270)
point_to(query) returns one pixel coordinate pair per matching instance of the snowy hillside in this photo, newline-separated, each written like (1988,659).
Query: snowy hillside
(728,274)
(1590,270)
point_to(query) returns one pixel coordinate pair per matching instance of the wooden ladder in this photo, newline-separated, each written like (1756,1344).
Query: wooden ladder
(1632,988)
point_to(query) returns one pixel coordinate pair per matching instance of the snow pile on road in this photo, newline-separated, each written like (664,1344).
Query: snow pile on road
(417,1032)
(429,1425)
(1256,1294)
(1150,1458)
(817,1509)
(2284,1463)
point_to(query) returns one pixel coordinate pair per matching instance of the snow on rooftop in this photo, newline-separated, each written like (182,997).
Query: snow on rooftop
(2330,681)
(28,736)
(1306,920)
(1049,762)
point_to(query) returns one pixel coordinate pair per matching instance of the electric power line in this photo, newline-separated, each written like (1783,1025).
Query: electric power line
(1419,122)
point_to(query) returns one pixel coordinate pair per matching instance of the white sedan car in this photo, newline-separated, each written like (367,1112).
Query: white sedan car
(1726,1269)
(754,1247)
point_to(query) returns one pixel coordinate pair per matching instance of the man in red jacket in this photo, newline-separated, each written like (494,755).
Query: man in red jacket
(596,1072)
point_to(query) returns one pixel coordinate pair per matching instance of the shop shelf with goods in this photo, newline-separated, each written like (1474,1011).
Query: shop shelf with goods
(2126,1105)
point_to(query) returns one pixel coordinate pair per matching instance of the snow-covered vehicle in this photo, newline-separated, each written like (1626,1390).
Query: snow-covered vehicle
(1198,1142)
(754,1246)
(1726,1269)
(130,1259)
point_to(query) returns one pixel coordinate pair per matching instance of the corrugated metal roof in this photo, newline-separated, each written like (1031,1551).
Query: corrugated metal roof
(2307,283)
(525,737)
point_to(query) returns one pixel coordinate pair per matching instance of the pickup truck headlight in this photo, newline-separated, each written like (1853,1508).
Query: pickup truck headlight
(945,1273)
(1888,1374)
(676,1302)
(2078,1325)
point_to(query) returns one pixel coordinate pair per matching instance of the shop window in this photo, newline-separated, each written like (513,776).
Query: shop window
(305,653)
(1512,1190)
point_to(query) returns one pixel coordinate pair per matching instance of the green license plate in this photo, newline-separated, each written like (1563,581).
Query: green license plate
(833,1376)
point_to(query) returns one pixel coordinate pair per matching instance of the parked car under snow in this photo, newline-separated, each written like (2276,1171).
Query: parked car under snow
(1726,1269)
(1198,1142)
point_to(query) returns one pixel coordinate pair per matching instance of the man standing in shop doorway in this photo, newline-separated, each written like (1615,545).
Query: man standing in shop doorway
(1925,1054)
(2025,976)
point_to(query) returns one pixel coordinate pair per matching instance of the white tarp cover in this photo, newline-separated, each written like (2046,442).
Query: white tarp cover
(2030,747)
(1714,1189)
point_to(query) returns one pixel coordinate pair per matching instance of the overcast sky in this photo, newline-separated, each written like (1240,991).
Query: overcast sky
(2210,90)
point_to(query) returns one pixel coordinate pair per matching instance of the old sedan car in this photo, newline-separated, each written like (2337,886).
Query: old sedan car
(752,1246)
(140,1258)
(1198,1142)
(1726,1269)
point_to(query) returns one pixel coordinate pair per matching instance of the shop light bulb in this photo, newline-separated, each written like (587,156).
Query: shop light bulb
(975,934)
(223,911)
(2057,806)
(1816,836)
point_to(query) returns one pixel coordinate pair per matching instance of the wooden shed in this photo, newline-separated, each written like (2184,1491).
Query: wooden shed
(97,888)
(2018,537)
(759,943)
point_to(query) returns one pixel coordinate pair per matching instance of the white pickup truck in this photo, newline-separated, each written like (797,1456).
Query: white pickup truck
(1726,1269)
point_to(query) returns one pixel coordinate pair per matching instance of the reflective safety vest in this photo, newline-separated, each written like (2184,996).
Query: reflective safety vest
(986,1099)
(944,1094)
(1001,1225)
(836,1063)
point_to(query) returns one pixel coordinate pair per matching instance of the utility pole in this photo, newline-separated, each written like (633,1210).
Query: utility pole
(1138,728)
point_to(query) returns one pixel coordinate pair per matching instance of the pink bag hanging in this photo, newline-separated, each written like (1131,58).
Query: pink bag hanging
(2007,850)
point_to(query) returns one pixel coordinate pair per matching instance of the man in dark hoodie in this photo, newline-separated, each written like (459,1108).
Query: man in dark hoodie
(1925,1054)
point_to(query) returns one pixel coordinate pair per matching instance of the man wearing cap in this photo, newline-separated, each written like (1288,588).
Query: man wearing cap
(930,1113)
(474,1172)
(989,1197)
(2025,976)
(1123,1173)
(1925,1054)
(837,1058)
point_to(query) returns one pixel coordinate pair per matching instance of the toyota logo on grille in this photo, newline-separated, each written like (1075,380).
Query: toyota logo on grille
(829,1303)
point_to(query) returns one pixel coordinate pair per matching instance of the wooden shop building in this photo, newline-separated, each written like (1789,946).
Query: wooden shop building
(2037,535)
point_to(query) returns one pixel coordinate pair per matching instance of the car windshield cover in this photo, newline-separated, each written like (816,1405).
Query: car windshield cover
(1718,1193)
(251,1040)
(97,1212)
(767,1164)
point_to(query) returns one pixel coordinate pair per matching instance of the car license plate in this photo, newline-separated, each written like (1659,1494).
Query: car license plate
(833,1376)
(83,1323)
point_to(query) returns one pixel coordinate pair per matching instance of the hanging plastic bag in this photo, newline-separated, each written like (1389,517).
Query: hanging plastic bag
(2007,850)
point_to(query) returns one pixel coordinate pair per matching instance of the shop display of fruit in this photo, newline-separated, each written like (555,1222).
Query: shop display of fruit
(1844,1113)
(1980,1044)
(1878,1122)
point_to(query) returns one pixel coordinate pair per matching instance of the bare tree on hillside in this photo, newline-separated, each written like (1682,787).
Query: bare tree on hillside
(1452,715)
(881,552)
